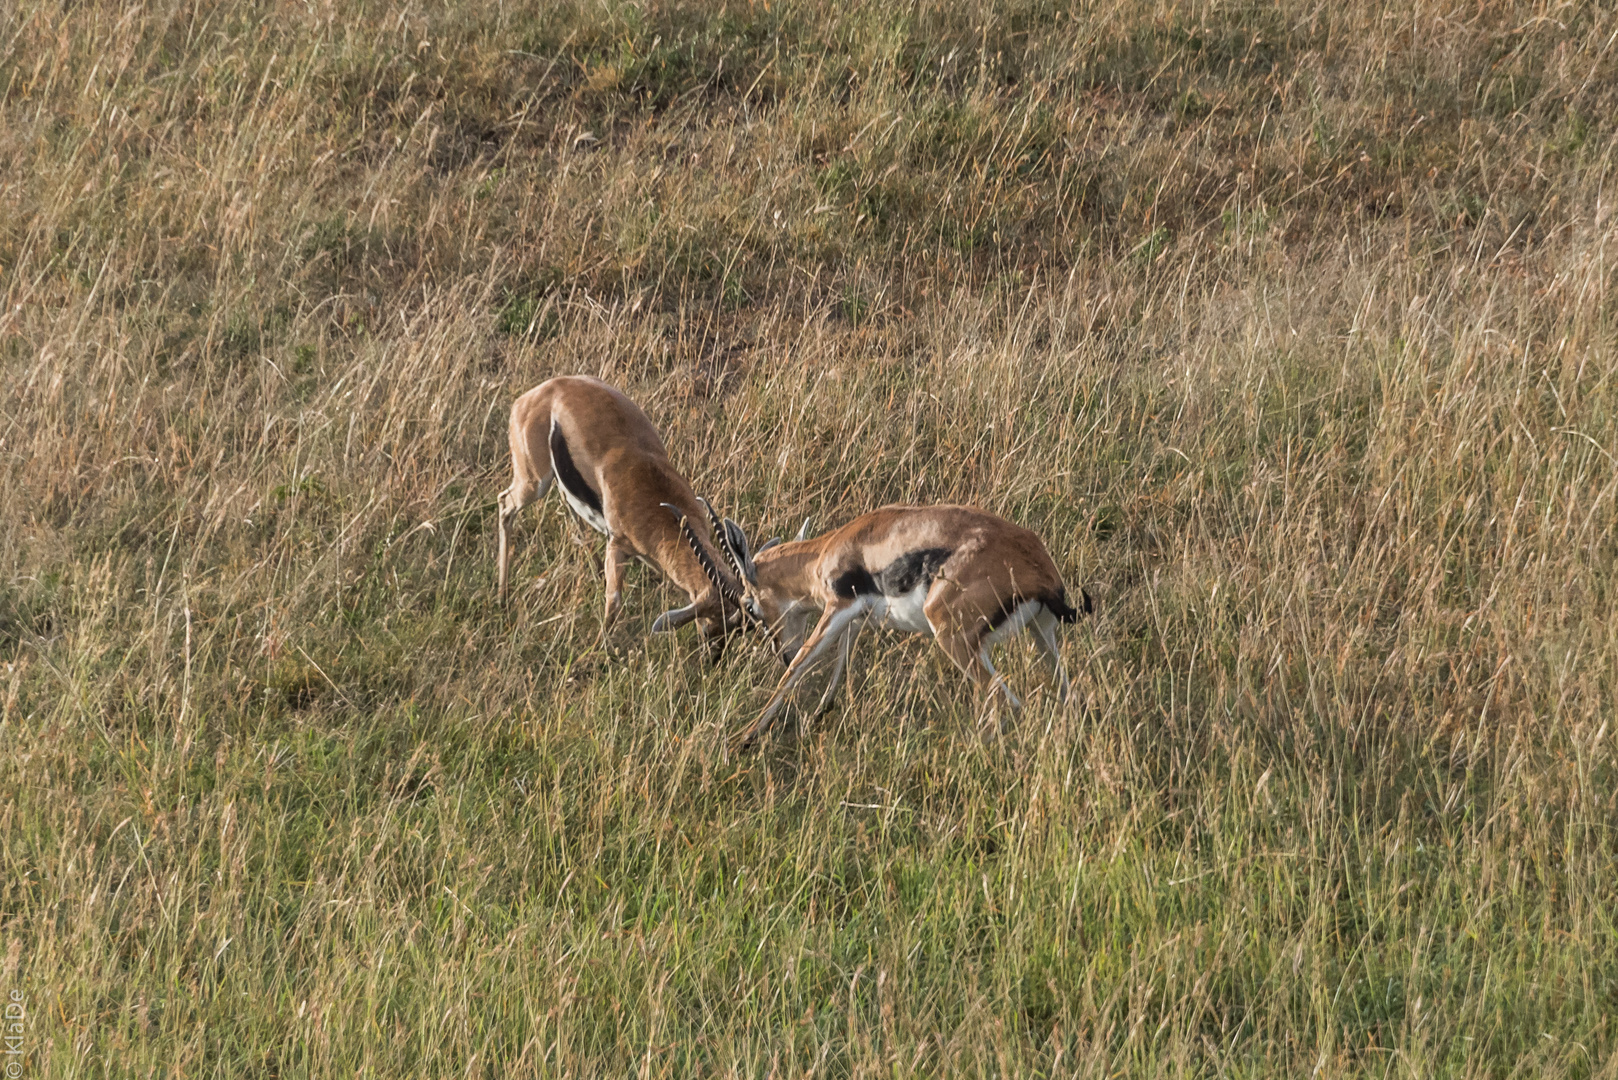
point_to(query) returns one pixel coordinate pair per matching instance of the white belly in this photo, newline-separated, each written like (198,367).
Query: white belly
(591,518)
(903,612)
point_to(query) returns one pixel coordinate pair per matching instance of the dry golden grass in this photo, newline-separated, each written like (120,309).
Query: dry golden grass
(1291,329)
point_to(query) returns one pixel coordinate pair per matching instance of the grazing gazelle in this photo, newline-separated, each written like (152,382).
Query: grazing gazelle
(616,475)
(966,577)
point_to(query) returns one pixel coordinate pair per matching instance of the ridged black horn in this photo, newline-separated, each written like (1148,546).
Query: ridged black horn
(701,553)
(722,538)
(708,566)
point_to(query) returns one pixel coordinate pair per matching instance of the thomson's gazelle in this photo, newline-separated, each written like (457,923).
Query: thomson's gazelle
(966,577)
(616,475)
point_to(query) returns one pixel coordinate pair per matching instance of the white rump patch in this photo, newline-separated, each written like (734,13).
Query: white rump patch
(1020,617)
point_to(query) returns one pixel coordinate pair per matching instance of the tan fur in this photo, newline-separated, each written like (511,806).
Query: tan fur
(993,567)
(621,456)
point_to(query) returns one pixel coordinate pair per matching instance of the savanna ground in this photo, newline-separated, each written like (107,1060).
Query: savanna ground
(1291,328)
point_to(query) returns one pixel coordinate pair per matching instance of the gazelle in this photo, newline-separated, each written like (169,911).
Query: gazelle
(615,473)
(966,577)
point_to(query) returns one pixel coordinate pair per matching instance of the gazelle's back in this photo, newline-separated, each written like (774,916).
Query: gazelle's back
(599,421)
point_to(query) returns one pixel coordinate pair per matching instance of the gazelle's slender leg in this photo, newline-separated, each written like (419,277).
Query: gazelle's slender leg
(618,556)
(833,621)
(505,516)
(1044,627)
(523,490)
(846,644)
(970,653)
(711,628)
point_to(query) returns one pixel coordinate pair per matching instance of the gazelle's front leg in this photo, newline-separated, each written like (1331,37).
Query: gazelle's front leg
(833,621)
(846,644)
(618,556)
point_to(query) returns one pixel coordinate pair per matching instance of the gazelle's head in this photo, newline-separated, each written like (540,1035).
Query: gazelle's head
(776,596)
(769,598)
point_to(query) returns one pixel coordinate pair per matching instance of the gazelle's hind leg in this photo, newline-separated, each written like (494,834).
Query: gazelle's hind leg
(530,466)
(970,652)
(525,488)
(1043,626)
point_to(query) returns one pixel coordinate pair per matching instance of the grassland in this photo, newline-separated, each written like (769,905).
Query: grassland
(1291,328)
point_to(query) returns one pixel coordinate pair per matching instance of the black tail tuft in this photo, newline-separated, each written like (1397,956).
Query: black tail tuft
(1057,605)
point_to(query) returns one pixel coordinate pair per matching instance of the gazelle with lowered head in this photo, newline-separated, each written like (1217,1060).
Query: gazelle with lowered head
(616,475)
(965,576)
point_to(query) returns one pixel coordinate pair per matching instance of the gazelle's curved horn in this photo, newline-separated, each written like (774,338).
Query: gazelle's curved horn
(722,538)
(803,533)
(701,553)
(708,566)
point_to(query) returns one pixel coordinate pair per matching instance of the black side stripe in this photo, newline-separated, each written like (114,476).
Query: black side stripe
(1055,602)
(568,473)
(853,583)
(896,579)
(1007,606)
(911,569)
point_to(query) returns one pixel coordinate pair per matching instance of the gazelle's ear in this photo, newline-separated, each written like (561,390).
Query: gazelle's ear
(767,545)
(736,540)
(803,533)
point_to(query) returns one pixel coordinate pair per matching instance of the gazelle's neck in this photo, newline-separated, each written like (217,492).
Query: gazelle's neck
(786,567)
